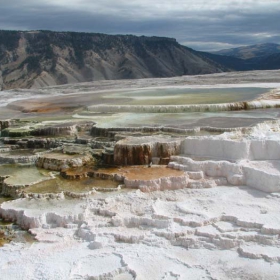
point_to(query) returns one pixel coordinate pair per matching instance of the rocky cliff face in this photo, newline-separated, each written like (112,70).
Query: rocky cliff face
(42,58)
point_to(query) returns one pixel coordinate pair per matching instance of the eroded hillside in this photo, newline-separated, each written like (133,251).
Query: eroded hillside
(41,58)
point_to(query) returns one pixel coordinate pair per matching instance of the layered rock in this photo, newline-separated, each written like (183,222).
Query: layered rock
(34,218)
(252,162)
(112,131)
(160,184)
(7,158)
(2,179)
(231,149)
(23,129)
(62,129)
(16,132)
(104,174)
(236,106)
(108,156)
(58,161)
(141,150)
(5,124)
(31,143)
(15,183)
(42,58)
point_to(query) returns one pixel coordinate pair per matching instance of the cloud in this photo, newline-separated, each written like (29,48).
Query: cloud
(203,25)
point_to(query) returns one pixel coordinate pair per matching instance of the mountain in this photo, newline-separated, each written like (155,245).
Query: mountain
(269,62)
(42,58)
(255,57)
(250,52)
(229,62)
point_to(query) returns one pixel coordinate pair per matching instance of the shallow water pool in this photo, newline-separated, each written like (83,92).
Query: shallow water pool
(181,96)
(23,175)
(60,184)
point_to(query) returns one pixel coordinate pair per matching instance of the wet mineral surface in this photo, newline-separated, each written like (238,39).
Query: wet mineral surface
(156,194)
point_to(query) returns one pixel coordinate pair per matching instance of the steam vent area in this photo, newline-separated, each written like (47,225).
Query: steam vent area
(173,178)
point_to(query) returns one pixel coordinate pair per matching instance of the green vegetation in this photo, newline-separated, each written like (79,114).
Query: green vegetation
(62,79)
(9,39)
(33,64)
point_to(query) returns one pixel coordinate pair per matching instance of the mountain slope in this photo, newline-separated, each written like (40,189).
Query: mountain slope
(252,51)
(41,58)
(229,62)
(269,62)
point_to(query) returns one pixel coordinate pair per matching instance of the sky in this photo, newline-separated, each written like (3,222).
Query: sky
(206,25)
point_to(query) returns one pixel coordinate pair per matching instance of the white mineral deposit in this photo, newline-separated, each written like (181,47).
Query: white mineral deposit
(211,213)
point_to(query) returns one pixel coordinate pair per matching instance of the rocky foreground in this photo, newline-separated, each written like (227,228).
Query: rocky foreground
(217,218)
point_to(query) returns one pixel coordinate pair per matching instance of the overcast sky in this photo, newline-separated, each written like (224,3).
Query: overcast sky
(200,24)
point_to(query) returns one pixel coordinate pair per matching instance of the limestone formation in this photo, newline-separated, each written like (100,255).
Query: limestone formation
(59,161)
(62,129)
(160,184)
(127,231)
(7,158)
(237,106)
(251,162)
(141,150)
(5,124)
(212,213)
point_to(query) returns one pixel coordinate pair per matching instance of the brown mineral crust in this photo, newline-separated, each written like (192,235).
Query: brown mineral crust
(59,161)
(130,172)
(130,155)
(141,150)
(145,173)
(142,172)
(77,173)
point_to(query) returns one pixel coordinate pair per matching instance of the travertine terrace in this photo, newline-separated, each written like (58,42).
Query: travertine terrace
(130,191)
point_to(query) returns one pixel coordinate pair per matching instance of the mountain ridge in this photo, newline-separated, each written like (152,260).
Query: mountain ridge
(251,51)
(41,58)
